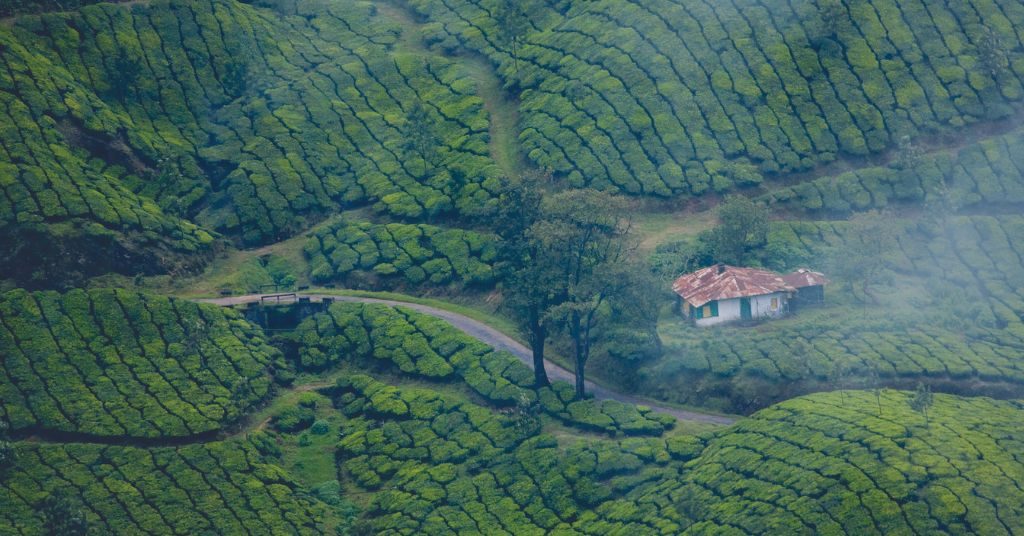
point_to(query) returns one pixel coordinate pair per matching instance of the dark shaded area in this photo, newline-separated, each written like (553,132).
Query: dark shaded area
(59,256)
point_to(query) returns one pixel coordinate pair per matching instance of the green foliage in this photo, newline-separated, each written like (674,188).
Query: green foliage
(922,401)
(426,347)
(449,466)
(979,174)
(293,419)
(868,473)
(270,123)
(742,229)
(62,516)
(672,97)
(16,7)
(116,363)
(415,255)
(949,306)
(214,488)
(320,427)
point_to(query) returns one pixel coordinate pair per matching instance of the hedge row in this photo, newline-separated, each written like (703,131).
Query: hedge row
(427,347)
(837,463)
(18,7)
(214,488)
(670,96)
(415,254)
(116,363)
(956,314)
(850,464)
(986,172)
(245,121)
(439,465)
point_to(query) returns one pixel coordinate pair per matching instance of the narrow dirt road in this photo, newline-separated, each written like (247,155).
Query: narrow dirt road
(500,341)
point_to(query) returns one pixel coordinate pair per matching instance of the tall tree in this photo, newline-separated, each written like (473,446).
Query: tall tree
(862,258)
(530,289)
(513,23)
(922,401)
(585,233)
(124,74)
(420,138)
(63,516)
(992,53)
(742,229)
(7,452)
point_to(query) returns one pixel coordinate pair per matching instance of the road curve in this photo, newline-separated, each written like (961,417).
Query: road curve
(497,340)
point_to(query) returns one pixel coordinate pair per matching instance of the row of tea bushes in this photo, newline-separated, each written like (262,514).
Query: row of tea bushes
(212,488)
(243,121)
(666,96)
(855,462)
(117,363)
(427,347)
(988,172)
(412,254)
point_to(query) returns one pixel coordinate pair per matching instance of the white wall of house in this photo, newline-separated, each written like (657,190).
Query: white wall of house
(728,311)
(760,307)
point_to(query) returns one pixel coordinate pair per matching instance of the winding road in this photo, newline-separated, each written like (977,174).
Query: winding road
(497,340)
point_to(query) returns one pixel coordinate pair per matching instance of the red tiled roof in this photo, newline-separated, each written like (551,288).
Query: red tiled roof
(805,278)
(722,282)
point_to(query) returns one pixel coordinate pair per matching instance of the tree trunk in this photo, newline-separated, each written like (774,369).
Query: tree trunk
(580,384)
(576,332)
(538,336)
(537,345)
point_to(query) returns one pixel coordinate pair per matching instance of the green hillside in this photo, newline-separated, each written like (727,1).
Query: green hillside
(949,310)
(413,254)
(239,120)
(665,97)
(473,187)
(215,488)
(115,363)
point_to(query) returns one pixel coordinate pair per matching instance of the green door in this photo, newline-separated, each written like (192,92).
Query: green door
(745,308)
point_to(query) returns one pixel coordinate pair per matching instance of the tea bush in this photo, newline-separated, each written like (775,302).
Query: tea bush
(413,254)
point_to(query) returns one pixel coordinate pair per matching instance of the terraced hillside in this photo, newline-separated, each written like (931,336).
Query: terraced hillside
(229,116)
(413,254)
(109,363)
(189,148)
(664,97)
(215,488)
(833,463)
(432,458)
(982,174)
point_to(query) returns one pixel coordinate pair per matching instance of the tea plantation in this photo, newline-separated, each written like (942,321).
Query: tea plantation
(679,96)
(412,254)
(837,463)
(117,363)
(130,124)
(426,347)
(956,318)
(980,174)
(155,154)
(213,488)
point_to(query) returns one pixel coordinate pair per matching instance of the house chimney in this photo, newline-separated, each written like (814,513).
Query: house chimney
(721,268)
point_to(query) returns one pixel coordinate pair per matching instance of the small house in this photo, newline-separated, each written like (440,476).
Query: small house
(809,285)
(723,293)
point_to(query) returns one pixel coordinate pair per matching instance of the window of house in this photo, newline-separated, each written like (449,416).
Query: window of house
(775,304)
(709,310)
